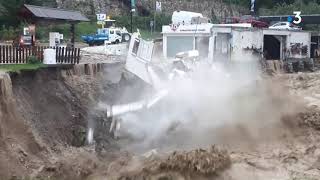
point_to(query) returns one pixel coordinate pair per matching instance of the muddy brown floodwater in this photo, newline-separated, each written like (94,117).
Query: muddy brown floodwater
(44,116)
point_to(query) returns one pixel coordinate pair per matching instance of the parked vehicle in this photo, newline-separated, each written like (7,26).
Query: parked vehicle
(231,20)
(23,40)
(112,35)
(285,25)
(185,17)
(254,21)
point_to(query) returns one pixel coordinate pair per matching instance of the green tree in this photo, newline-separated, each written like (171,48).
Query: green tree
(143,22)
(9,10)
(310,7)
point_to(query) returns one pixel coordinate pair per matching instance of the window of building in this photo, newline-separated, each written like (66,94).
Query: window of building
(176,44)
(136,47)
(202,45)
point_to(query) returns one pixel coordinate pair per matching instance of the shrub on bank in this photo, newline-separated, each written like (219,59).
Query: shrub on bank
(7,33)
(33,60)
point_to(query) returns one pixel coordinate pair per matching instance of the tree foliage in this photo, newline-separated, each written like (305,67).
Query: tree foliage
(143,23)
(9,10)
(261,3)
(309,7)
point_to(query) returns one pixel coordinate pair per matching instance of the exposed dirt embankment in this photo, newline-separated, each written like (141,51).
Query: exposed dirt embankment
(43,118)
(51,106)
(19,151)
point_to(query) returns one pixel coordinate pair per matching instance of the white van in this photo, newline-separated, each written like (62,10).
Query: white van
(185,17)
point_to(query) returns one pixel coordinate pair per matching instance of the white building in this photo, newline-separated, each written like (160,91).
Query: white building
(234,42)
(178,38)
(239,44)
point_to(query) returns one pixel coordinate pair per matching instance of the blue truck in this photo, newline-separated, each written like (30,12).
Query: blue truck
(110,35)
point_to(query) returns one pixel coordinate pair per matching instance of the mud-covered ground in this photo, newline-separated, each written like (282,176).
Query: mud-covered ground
(44,117)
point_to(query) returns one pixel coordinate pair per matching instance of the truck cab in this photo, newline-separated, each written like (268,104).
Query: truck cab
(113,35)
(110,35)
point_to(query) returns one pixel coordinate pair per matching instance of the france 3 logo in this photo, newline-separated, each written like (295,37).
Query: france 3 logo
(295,19)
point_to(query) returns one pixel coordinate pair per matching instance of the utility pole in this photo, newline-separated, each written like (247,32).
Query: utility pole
(154,16)
(131,19)
(158,7)
(72,29)
(132,10)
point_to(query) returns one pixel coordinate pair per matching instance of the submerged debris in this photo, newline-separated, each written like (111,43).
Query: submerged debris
(184,164)
(310,118)
(198,161)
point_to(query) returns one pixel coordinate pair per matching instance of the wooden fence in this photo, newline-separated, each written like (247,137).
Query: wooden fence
(20,55)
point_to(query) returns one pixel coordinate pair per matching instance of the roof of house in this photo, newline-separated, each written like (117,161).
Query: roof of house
(55,13)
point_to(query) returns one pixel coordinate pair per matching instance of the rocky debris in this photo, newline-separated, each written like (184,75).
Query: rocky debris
(310,118)
(183,165)
(198,161)
(66,170)
(110,49)
(88,58)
